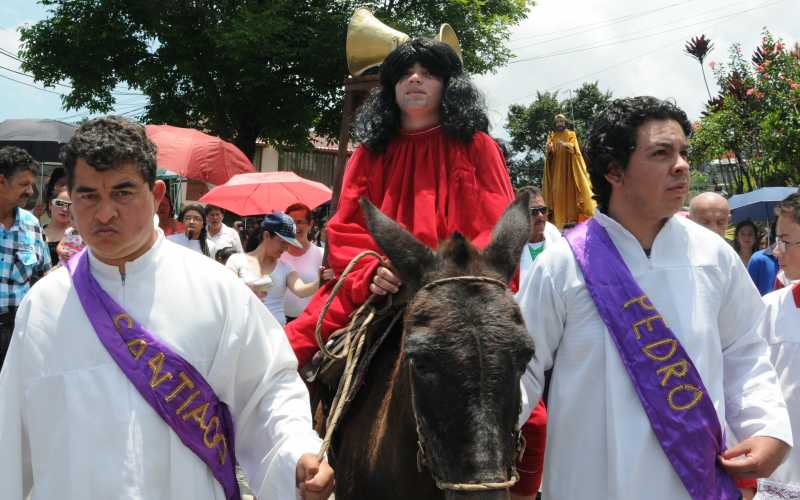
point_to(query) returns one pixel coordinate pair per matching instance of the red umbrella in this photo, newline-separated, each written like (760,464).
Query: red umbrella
(195,155)
(264,192)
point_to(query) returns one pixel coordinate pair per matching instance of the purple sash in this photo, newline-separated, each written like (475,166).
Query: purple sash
(172,386)
(669,387)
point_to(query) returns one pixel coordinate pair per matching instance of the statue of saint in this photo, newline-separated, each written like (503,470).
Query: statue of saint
(567,190)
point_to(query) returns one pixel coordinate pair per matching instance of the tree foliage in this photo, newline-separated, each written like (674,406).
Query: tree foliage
(756,118)
(240,69)
(529,126)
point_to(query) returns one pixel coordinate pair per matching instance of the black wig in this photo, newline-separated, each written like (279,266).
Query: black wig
(463,108)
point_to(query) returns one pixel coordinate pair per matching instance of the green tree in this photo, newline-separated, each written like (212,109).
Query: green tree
(529,126)
(240,69)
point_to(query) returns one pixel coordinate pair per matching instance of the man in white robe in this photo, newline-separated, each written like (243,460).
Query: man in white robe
(543,233)
(600,443)
(72,425)
(781,330)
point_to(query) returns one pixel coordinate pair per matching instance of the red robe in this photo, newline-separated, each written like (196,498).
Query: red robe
(431,184)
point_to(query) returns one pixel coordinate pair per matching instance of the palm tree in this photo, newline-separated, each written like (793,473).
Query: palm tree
(698,48)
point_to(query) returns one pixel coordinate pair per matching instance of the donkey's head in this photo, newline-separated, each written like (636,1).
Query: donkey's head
(465,346)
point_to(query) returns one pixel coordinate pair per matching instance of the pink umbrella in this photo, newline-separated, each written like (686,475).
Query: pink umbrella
(195,155)
(264,192)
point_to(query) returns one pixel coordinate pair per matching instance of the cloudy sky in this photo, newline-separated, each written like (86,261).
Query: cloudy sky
(629,47)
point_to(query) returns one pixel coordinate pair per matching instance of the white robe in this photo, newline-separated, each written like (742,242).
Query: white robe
(781,330)
(73,427)
(599,440)
(551,235)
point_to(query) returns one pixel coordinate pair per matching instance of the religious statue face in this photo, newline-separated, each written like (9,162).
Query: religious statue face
(560,123)
(113,210)
(418,92)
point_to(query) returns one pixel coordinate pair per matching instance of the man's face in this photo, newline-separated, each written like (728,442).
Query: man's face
(164,209)
(655,184)
(114,210)
(560,124)
(538,213)
(787,250)
(418,92)
(711,215)
(302,225)
(214,220)
(17,189)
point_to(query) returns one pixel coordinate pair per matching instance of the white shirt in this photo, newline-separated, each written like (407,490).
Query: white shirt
(226,237)
(307,267)
(551,235)
(73,427)
(182,240)
(781,330)
(248,270)
(599,440)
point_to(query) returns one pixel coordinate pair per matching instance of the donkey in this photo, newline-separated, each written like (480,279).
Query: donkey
(437,415)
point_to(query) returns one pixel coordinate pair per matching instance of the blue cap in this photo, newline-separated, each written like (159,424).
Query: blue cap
(281,224)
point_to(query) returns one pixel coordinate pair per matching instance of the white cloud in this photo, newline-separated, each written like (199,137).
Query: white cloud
(645,64)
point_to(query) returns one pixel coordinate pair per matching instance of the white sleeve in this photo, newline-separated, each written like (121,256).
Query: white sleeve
(269,401)
(237,241)
(234,265)
(16,475)
(754,404)
(544,312)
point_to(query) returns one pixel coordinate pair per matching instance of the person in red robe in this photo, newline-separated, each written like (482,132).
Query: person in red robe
(426,162)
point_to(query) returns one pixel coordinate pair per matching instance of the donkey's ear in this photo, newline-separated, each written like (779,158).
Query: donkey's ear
(409,256)
(509,237)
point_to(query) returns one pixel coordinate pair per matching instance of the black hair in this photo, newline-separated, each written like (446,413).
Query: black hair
(203,237)
(612,138)
(210,208)
(463,110)
(104,143)
(789,206)
(14,160)
(223,254)
(532,191)
(756,236)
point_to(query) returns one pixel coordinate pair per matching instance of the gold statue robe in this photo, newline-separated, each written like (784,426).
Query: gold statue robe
(567,190)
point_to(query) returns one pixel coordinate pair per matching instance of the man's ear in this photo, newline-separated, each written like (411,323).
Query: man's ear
(614,174)
(159,190)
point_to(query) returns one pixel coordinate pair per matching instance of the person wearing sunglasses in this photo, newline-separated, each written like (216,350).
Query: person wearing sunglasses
(781,330)
(543,233)
(58,209)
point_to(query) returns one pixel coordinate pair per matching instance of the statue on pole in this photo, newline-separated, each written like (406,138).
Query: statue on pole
(567,190)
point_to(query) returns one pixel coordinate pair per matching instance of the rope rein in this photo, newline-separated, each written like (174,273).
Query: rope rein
(360,321)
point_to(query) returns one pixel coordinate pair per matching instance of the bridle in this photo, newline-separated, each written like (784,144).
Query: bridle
(422,454)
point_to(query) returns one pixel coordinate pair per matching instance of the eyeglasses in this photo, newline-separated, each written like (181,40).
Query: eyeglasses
(539,210)
(783,245)
(59,203)
(192,218)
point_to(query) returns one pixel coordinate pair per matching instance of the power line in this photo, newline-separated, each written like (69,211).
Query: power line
(609,43)
(31,85)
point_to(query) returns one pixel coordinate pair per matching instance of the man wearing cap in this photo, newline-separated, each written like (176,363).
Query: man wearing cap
(263,270)
(120,385)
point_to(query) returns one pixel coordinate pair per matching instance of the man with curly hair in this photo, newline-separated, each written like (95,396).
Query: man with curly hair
(650,325)
(426,161)
(24,256)
(131,366)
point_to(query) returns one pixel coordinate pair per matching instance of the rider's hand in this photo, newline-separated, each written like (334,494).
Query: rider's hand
(314,478)
(384,281)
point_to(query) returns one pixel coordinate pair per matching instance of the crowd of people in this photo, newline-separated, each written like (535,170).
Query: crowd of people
(660,372)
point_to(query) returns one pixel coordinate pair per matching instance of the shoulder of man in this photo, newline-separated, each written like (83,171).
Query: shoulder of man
(27,221)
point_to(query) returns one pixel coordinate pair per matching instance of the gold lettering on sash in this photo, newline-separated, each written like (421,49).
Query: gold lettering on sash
(122,317)
(679,369)
(187,402)
(156,363)
(648,323)
(698,395)
(650,349)
(643,301)
(185,382)
(198,414)
(137,348)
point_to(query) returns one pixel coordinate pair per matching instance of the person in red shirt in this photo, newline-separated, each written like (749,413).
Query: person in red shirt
(426,161)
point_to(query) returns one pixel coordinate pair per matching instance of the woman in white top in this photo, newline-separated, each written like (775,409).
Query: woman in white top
(264,273)
(193,217)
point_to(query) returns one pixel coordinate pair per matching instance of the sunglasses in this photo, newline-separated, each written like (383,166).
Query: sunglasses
(538,210)
(58,203)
